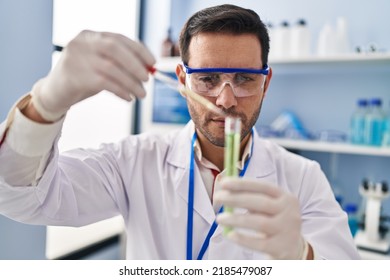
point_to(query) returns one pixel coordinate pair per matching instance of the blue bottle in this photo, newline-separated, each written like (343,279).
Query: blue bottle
(386,131)
(353,220)
(357,125)
(374,124)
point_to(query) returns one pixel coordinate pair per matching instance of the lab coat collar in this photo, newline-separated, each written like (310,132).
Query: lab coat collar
(262,162)
(179,157)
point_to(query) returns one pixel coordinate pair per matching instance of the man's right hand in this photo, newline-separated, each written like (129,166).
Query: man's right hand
(90,63)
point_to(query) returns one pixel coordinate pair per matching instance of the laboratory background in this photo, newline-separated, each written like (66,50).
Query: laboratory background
(329,100)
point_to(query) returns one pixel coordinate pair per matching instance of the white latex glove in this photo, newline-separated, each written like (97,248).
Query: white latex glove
(90,63)
(273,217)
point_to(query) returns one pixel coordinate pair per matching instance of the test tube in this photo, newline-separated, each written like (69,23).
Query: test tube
(232,152)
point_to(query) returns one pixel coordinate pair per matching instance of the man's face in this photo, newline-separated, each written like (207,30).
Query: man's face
(225,51)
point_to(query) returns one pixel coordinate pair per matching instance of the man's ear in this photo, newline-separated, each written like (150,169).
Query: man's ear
(181,76)
(267,81)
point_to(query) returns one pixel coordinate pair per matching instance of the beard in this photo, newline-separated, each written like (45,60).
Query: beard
(202,125)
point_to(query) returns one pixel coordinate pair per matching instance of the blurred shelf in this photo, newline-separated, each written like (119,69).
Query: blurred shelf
(381,61)
(342,148)
(338,64)
(353,57)
(379,56)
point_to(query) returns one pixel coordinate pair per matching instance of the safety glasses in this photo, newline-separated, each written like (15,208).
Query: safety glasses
(211,81)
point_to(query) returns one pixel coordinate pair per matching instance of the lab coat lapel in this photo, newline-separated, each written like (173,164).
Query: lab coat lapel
(179,157)
(262,164)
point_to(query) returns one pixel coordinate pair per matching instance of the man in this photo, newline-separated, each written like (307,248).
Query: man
(163,185)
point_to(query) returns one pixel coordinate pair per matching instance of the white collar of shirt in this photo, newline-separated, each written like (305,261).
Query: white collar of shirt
(208,164)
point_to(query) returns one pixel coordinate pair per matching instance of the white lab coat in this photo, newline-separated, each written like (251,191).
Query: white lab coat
(145,179)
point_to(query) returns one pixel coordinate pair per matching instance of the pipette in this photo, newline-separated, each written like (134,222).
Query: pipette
(171,82)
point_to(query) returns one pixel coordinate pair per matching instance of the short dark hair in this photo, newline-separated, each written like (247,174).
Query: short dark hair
(228,19)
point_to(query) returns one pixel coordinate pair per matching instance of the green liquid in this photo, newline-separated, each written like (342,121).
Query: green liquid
(232,153)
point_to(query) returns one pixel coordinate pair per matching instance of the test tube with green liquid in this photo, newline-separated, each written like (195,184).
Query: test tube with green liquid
(232,152)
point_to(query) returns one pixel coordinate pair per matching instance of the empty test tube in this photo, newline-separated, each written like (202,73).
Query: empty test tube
(232,152)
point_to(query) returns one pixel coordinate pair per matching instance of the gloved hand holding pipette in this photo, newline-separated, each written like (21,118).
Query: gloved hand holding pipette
(90,63)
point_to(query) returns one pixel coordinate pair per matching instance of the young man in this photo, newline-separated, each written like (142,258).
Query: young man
(163,185)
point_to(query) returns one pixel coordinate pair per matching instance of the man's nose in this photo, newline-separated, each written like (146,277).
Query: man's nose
(226,97)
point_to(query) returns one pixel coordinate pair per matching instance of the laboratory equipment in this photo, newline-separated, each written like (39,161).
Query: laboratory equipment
(232,152)
(168,46)
(374,125)
(357,126)
(373,234)
(300,39)
(343,45)
(334,40)
(288,125)
(353,220)
(331,135)
(386,131)
(281,40)
(326,45)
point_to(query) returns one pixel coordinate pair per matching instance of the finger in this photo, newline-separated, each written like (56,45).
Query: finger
(124,59)
(250,185)
(269,245)
(108,81)
(127,93)
(116,89)
(255,202)
(134,67)
(126,84)
(258,223)
(131,55)
(255,242)
(138,48)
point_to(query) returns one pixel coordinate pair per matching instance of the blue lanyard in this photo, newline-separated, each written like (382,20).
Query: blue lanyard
(190,210)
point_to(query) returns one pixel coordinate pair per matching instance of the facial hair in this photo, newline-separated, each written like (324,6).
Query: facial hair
(202,125)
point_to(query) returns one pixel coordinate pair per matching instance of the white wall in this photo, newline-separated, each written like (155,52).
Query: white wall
(25,56)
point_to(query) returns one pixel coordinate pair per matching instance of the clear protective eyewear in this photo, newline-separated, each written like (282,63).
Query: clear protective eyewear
(211,81)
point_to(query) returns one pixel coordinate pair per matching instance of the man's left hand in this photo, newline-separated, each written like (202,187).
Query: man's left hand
(273,217)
